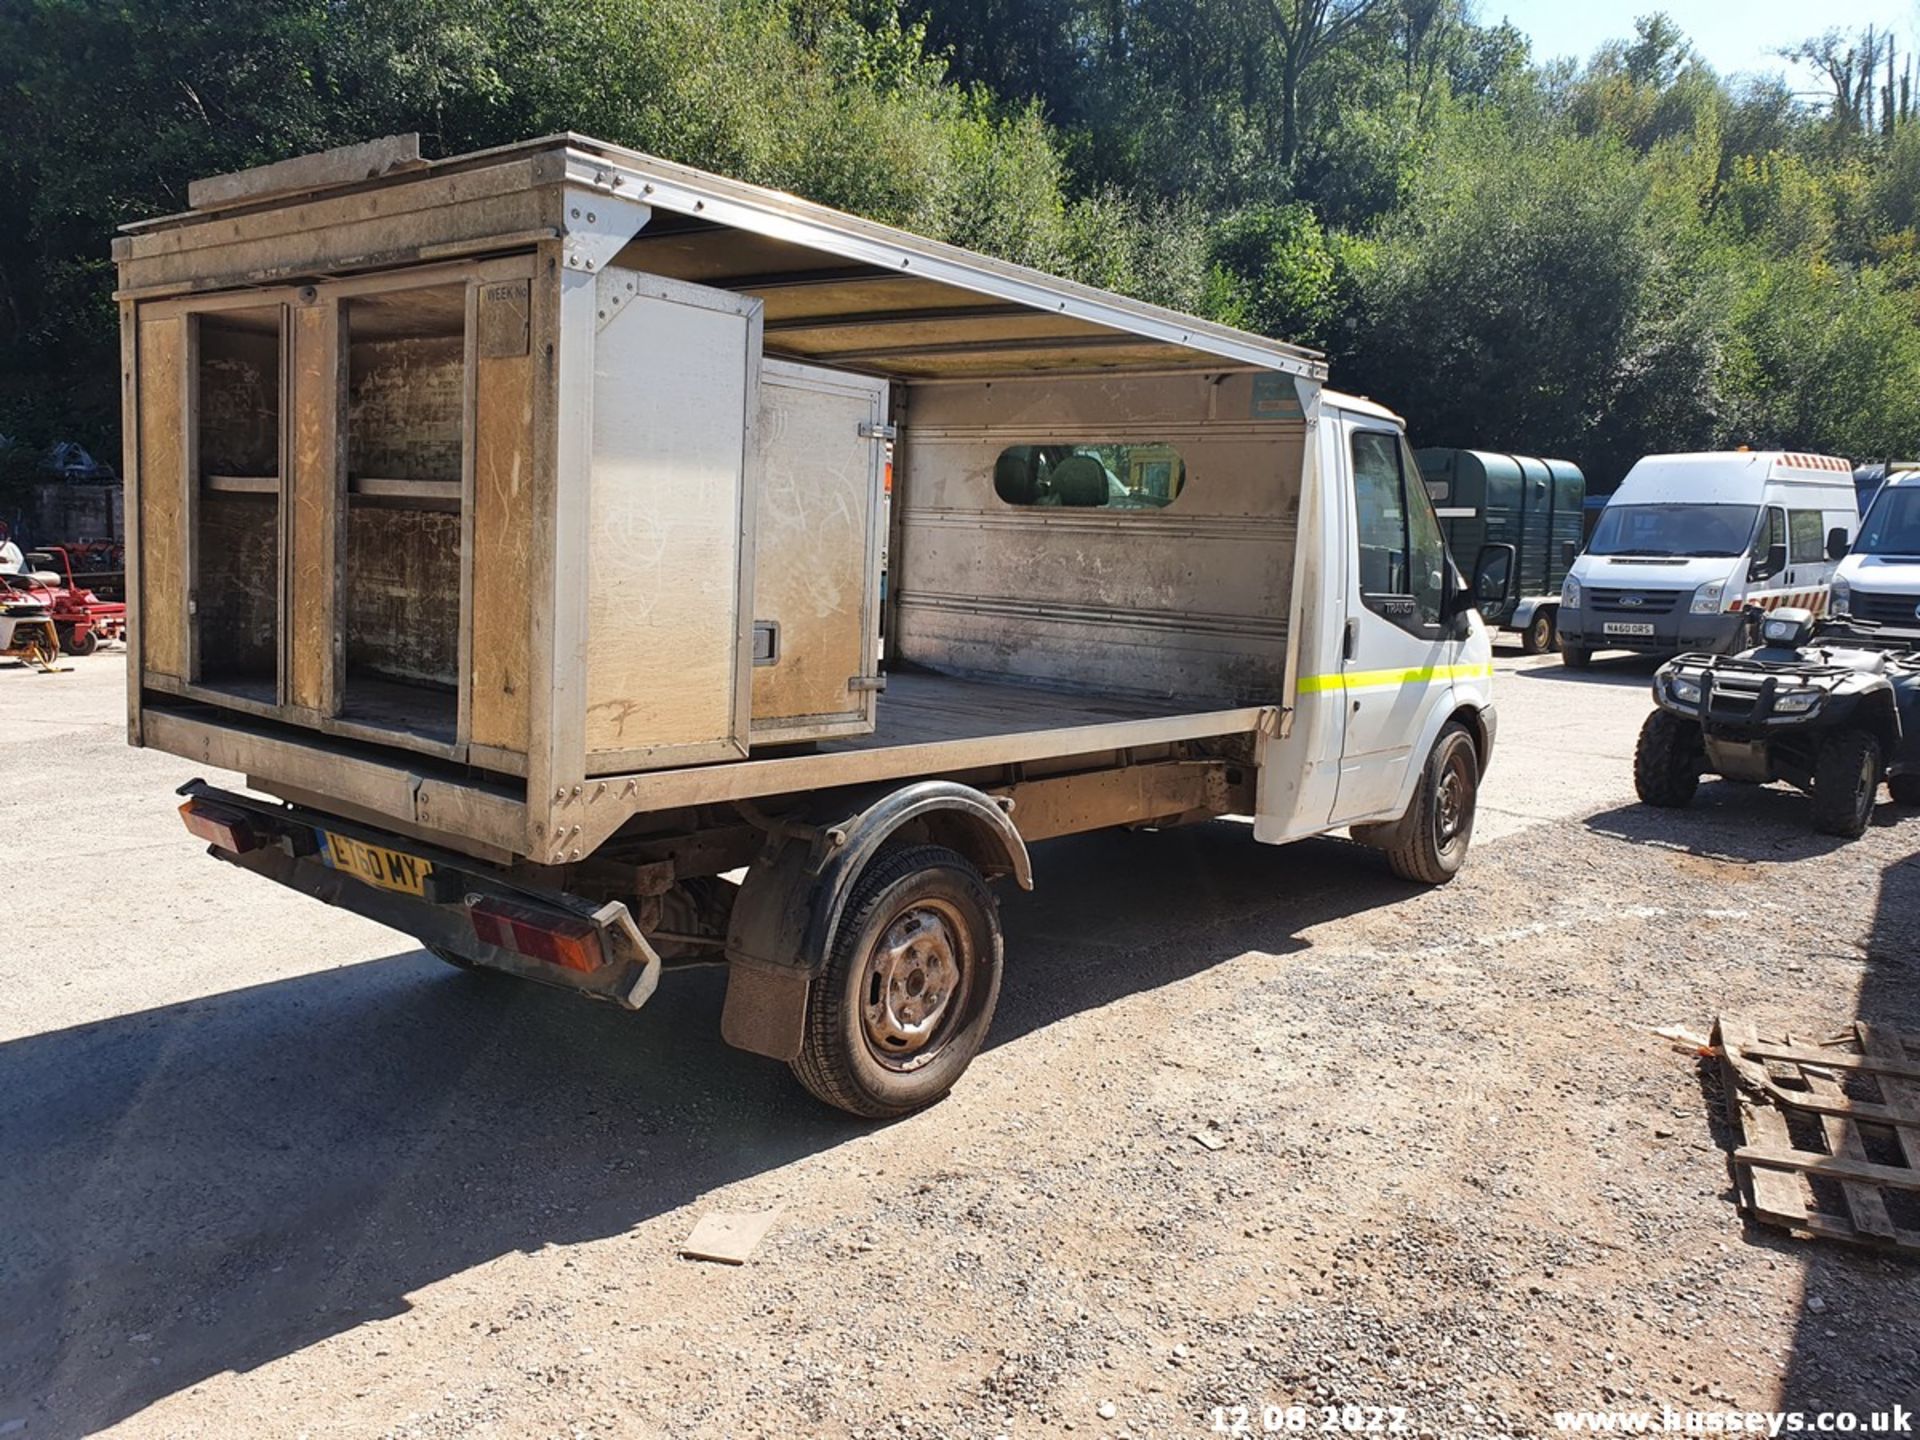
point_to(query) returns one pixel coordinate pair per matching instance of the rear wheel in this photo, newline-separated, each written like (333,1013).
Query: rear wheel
(76,641)
(1541,633)
(909,988)
(1430,844)
(1667,761)
(1846,781)
(1905,789)
(1575,657)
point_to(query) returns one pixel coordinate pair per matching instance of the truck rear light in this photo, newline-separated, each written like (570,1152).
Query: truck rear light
(227,829)
(561,940)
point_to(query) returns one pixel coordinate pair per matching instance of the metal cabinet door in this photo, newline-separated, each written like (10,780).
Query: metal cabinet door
(670,509)
(817,542)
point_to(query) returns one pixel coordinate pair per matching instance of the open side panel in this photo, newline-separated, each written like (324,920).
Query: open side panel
(817,542)
(162,394)
(669,580)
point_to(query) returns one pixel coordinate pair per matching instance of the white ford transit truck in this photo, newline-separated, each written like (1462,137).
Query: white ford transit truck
(513,524)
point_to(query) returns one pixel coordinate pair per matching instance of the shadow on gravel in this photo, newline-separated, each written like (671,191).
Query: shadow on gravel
(1832,1338)
(212,1185)
(1631,671)
(1740,824)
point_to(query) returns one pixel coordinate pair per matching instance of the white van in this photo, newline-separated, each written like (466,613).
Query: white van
(1689,545)
(1880,579)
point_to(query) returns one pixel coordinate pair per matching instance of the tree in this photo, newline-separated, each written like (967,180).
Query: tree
(1304,31)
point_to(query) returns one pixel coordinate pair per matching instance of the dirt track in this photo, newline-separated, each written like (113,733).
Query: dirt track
(267,1170)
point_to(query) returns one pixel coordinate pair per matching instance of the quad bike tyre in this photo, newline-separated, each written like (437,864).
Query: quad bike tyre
(1846,782)
(1667,761)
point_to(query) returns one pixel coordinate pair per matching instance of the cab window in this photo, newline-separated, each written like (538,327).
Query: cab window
(1806,537)
(1403,558)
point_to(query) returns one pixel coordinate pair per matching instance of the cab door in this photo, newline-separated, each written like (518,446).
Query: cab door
(1398,651)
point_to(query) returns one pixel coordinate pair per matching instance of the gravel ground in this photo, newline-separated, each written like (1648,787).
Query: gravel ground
(267,1170)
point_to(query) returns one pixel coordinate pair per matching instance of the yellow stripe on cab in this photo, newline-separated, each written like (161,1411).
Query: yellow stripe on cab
(1392,679)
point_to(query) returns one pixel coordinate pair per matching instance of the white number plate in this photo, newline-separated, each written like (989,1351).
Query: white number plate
(1623,627)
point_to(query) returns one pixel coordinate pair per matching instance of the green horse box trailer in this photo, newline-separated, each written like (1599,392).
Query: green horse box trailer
(1522,516)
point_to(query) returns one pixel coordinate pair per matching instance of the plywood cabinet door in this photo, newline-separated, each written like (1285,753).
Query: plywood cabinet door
(818,535)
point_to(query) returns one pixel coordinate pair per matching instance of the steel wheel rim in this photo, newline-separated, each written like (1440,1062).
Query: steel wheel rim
(1542,634)
(914,985)
(1453,802)
(1864,788)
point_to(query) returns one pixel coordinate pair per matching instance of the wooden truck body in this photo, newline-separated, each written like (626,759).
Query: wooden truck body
(516,523)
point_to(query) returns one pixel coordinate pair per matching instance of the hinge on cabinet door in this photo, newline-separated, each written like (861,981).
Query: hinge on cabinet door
(877,430)
(862,683)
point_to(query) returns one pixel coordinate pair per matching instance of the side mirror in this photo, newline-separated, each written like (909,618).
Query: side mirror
(1493,576)
(1837,543)
(1773,564)
(1569,551)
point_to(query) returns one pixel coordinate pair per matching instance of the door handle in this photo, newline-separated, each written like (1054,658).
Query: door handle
(1350,642)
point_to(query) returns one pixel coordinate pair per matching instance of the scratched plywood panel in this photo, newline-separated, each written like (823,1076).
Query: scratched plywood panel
(502,525)
(816,551)
(665,512)
(314,495)
(162,358)
(402,596)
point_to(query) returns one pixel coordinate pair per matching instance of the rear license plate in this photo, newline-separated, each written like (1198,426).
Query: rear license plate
(1622,627)
(375,864)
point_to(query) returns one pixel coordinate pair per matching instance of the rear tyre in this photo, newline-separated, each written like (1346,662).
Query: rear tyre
(909,988)
(1430,844)
(1575,657)
(1905,789)
(458,961)
(1667,761)
(76,641)
(1846,781)
(1541,633)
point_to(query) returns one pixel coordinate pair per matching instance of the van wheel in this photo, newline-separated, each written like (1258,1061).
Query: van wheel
(1667,761)
(1575,657)
(1905,789)
(909,988)
(1429,845)
(1541,633)
(1846,781)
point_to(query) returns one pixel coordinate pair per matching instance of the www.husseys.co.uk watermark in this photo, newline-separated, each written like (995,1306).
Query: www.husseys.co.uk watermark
(1896,1421)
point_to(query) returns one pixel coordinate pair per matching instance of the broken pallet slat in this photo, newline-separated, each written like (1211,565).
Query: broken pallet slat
(1902,1096)
(1834,1060)
(1834,1167)
(1864,1202)
(1772,1195)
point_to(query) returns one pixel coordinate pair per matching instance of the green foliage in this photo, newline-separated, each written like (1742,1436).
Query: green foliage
(1594,261)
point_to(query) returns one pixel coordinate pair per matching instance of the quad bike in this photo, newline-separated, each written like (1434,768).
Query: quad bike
(1832,707)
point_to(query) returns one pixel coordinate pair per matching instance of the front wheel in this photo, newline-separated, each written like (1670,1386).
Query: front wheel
(1539,636)
(909,988)
(1846,781)
(1905,789)
(1430,845)
(1667,761)
(1575,657)
(79,642)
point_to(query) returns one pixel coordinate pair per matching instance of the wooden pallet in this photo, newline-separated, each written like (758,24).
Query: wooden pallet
(1859,1096)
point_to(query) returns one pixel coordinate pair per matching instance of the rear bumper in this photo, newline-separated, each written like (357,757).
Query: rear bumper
(1673,633)
(286,850)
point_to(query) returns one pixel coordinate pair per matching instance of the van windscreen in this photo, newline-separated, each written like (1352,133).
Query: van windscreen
(1892,526)
(1674,530)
